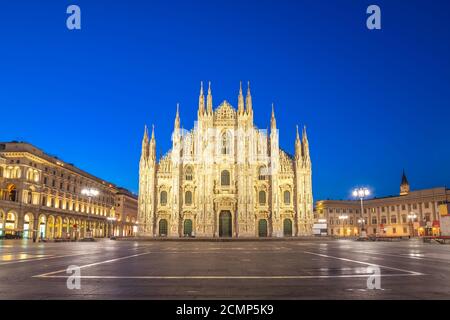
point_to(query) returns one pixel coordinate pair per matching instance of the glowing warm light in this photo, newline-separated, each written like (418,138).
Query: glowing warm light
(412,216)
(322,220)
(90,192)
(343,217)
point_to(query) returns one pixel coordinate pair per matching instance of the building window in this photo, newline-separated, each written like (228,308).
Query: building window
(404,218)
(393,219)
(394,230)
(403,207)
(383,220)
(392,208)
(188,198)
(188,174)
(262,173)
(374,220)
(163,198)
(287,197)
(414,206)
(225,178)
(405,230)
(262,197)
(427,205)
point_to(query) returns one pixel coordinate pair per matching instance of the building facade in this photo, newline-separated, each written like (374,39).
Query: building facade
(41,196)
(126,213)
(225,178)
(412,213)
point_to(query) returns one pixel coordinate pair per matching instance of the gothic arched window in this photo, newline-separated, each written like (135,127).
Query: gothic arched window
(262,197)
(287,197)
(225,178)
(188,198)
(163,198)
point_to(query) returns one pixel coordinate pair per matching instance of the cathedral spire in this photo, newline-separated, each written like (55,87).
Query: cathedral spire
(240,100)
(273,121)
(201,101)
(404,185)
(304,135)
(298,145)
(305,144)
(144,150)
(209,100)
(145,137)
(177,118)
(152,144)
(248,100)
(153,132)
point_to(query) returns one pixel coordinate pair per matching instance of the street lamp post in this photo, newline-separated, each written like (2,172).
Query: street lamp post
(361,193)
(411,216)
(90,193)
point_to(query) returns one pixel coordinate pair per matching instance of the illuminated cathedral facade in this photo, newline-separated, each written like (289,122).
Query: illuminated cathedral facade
(225,178)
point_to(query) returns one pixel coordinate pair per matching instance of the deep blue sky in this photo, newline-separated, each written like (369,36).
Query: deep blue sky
(374,102)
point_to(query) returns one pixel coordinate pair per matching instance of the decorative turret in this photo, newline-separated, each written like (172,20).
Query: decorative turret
(209,102)
(240,101)
(201,101)
(404,185)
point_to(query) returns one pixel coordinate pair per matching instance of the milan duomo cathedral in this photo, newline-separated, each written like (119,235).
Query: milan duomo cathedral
(225,178)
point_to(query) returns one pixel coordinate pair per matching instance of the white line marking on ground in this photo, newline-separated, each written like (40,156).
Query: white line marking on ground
(365,263)
(93,264)
(231,277)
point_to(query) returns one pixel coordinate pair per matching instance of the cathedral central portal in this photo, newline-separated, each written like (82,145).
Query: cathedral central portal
(225,224)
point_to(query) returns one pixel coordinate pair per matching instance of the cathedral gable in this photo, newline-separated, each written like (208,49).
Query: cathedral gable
(225,115)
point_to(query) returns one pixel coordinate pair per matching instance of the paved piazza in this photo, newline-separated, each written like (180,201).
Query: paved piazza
(317,269)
